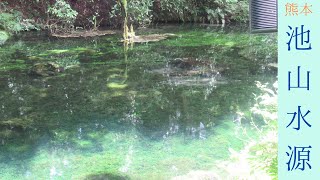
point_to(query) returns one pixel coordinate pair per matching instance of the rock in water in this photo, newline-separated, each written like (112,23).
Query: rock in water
(192,72)
(188,63)
(45,69)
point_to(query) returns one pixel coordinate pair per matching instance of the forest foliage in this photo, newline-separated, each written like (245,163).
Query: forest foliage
(20,15)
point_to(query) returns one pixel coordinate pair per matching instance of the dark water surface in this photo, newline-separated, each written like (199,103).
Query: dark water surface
(155,111)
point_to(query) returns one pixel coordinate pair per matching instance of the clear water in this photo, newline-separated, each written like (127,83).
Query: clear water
(155,111)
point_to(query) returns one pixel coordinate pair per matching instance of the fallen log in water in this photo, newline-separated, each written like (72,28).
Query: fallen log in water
(76,34)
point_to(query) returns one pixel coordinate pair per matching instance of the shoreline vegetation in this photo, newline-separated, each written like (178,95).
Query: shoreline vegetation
(66,18)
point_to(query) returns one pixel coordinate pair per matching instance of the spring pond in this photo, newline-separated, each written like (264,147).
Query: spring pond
(154,110)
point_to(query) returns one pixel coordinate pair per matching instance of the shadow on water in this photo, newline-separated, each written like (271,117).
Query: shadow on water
(159,112)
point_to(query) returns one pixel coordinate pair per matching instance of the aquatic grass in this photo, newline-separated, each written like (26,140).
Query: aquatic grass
(20,66)
(214,39)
